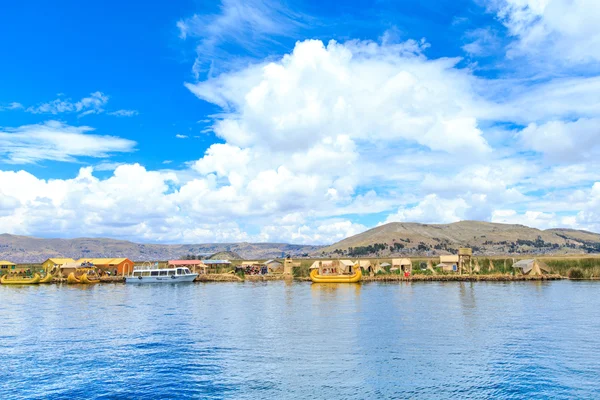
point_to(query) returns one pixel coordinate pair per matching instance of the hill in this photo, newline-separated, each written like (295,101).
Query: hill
(484,237)
(26,249)
(225,255)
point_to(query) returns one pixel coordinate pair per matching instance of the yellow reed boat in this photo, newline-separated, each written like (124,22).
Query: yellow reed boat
(20,280)
(353,278)
(85,275)
(47,279)
(86,279)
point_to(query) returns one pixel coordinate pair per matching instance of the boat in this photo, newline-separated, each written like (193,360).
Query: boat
(20,279)
(153,274)
(85,275)
(88,279)
(47,279)
(339,278)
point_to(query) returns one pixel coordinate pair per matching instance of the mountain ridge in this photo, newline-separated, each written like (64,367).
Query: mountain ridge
(30,249)
(489,238)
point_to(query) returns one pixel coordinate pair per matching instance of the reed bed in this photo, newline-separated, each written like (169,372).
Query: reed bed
(218,278)
(460,278)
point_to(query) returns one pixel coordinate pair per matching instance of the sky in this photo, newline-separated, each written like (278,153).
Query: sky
(302,121)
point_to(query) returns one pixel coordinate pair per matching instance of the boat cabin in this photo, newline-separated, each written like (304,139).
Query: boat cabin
(161,272)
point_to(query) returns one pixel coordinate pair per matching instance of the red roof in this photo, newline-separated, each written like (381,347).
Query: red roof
(185,262)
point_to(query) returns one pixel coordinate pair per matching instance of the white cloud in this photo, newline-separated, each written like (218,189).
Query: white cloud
(93,104)
(564,31)
(432,209)
(246,24)
(12,106)
(564,141)
(56,141)
(180,136)
(124,113)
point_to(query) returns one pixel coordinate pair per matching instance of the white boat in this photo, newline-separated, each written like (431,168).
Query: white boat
(153,274)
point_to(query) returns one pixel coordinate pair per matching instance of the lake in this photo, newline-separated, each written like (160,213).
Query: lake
(290,340)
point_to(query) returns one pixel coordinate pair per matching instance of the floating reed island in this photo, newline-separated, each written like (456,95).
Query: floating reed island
(447,268)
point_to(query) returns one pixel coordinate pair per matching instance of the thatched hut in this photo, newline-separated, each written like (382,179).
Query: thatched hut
(531,267)
(365,265)
(403,264)
(274,266)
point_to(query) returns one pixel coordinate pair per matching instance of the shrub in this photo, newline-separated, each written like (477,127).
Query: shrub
(575,273)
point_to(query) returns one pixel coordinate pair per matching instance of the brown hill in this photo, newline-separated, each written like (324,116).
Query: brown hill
(484,237)
(26,249)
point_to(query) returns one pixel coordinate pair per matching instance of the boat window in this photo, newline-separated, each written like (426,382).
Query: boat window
(163,273)
(154,273)
(179,271)
(138,273)
(187,271)
(171,272)
(146,273)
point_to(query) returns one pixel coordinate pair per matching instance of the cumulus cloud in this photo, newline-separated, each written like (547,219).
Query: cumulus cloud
(56,141)
(144,205)
(563,141)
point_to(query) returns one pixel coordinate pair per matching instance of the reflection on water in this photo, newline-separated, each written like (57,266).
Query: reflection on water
(301,340)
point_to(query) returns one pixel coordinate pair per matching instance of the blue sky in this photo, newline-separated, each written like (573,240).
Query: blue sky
(300,121)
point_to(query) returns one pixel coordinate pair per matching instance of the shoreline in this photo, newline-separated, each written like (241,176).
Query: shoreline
(231,278)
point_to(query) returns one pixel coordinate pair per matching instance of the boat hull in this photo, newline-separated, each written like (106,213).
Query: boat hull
(35,279)
(160,279)
(47,279)
(315,277)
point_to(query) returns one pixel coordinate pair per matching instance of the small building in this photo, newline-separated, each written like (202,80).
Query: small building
(122,266)
(217,263)
(7,266)
(274,266)
(531,267)
(66,268)
(449,263)
(403,264)
(55,262)
(193,265)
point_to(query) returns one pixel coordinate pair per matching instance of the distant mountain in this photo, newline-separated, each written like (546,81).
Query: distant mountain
(26,249)
(484,237)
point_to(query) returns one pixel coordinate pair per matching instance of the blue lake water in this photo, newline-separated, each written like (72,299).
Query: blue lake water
(279,340)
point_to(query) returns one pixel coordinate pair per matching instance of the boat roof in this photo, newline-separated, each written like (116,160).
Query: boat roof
(186,262)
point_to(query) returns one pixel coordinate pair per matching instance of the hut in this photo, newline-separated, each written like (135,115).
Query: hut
(346,266)
(274,266)
(366,266)
(402,264)
(116,266)
(55,262)
(531,267)
(193,265)
(448,263)
(66,268)
(7,266)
